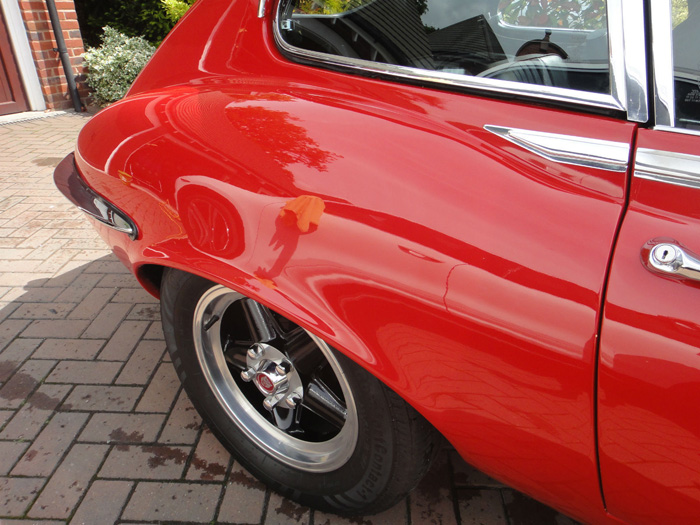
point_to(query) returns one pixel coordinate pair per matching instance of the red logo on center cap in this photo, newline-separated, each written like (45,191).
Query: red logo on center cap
(265,383)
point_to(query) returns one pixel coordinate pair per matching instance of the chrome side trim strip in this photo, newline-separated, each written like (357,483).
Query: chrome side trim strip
(567,149)
(665,166)
(682,131)
(261,8)
(505,87)
(662,50)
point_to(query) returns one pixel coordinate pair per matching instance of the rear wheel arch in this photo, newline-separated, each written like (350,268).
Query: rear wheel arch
(196,320)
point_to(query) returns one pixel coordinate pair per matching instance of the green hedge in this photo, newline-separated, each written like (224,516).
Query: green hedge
(146,18)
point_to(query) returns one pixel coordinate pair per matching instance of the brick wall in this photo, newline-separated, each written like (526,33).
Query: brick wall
(43,43)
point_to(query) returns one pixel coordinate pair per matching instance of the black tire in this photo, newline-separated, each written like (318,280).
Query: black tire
(364,452)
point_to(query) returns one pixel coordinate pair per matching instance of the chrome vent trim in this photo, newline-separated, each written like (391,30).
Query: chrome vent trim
(568,149)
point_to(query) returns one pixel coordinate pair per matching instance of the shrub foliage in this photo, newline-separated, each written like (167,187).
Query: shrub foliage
(145,18)
(114,65)
(176,9)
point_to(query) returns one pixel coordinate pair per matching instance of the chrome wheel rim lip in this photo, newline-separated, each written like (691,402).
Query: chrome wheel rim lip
(319,457)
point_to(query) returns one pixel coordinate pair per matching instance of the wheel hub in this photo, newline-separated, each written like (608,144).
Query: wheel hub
(274,376)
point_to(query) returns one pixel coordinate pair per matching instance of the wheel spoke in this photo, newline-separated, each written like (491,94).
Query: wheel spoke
(321,400)
(302,351)
(235,352)
(263,328)
(284,418)
(236,360)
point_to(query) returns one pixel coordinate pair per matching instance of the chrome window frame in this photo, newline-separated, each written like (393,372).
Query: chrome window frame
(628,72)
(663,74)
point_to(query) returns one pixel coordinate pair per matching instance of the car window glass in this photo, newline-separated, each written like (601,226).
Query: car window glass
(686,62)
(561,43)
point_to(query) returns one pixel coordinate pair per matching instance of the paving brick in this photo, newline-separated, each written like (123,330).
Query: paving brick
(19,349)
(47,450)
(14,253)
(62,493)
(281,511)
(183,423)
(11,266)
(5,416)
(84,372)
(481,506)
(95,300)
(107,321)
(124,340)
(7,309)
(106,265)
(36,239)
(210,460)
(145,312)
(155,331)
(67,275)
(142,363)
(78,290)
(7,370)
(42,311)
(31,418)
(91,255)
(117,280)
(103,502)
(20,294)
(102,399)
(189,502)
(16,494)
(134,295)
(161,391)
(56,263)
(145,462)
(10,452)
(9,329)
(59,329)
(244,499)
(123,428)
(74,349)
(49,248)
(23,382)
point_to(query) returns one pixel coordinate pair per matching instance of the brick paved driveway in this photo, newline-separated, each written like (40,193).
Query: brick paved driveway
(94,427)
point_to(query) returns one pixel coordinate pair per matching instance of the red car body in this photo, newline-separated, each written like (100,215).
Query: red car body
(504,295)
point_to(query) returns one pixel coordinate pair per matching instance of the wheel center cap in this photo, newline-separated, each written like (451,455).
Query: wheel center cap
(264,383)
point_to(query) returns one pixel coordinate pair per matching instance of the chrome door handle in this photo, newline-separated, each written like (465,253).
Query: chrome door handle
(671,259)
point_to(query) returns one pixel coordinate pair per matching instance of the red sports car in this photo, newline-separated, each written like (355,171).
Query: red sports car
(372,223)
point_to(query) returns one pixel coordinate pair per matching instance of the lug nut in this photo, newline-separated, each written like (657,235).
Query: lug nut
(255,352)
(293,400)
(248,375)
(270,403)
(283,368)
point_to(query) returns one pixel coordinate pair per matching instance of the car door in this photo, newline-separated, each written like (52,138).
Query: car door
(649,388)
